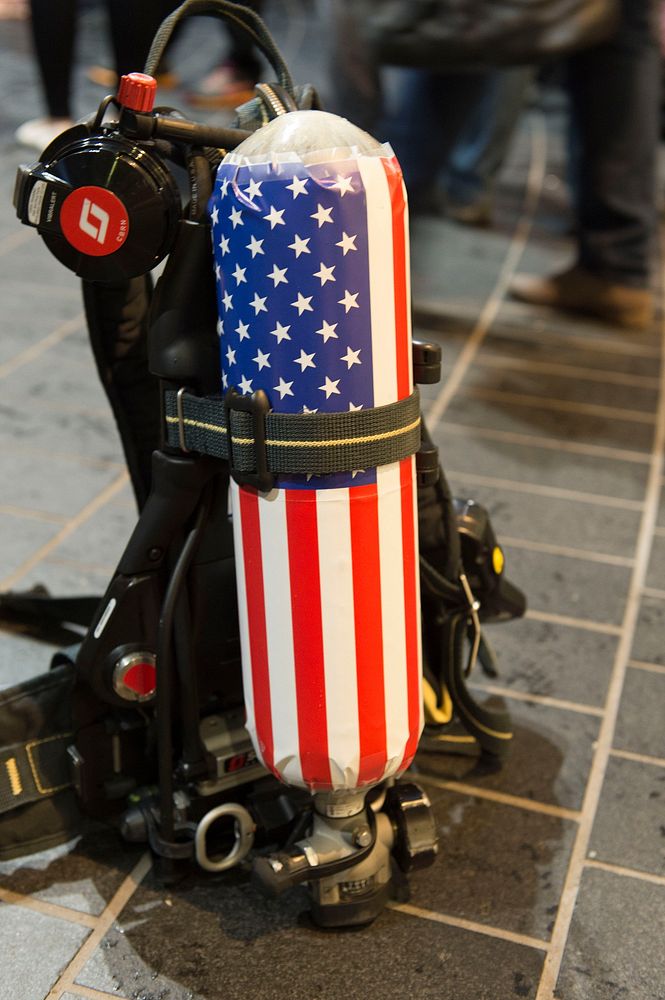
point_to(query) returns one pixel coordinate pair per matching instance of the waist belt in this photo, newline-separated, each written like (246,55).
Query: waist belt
(259,443)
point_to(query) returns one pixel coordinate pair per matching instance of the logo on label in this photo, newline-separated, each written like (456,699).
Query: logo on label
(90,212)
(94,221)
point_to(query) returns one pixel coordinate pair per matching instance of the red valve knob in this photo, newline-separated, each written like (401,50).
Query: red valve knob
(137,91)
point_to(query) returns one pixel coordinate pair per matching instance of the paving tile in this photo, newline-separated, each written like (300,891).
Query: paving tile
(50,381)
(22,328)
(660,520)
(466,449)
(102,539)
(84,879)
(20,538)
(554,386)
(447,277)
(640,726)
(504,415)
(38,484)
(40,948)
(63,578)
(604,962)
(565,586)
(21,657)
(549,757)
(648,644)
(629,828)
(656,571)
(91,435)
(219,940)
(551,338)
(553,520)
(552,660)
(497,865)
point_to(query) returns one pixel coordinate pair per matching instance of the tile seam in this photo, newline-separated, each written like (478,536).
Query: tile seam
(502,798)
(568,551)
(508,363)
(609,413)
(551,444)
(516,248)
(24,357)
(655,668)
(84,515)
(104,922)
(601,758)
(586,624)
(554,492)
(47,908)
(625,872)
(540,699)
(469,925)
(638,758)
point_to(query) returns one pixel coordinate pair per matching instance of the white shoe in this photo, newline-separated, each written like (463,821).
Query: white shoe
(39,132)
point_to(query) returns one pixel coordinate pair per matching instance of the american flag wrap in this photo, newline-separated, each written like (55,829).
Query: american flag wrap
(312,274)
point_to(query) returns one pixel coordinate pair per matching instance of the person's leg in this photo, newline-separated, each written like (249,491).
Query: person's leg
(615,102)
(480,151)
(232,81)
(426,114)
(356,90)
(53,25)
(133,26)
(615,97)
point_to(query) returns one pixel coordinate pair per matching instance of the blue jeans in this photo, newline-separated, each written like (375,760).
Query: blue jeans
(615,92)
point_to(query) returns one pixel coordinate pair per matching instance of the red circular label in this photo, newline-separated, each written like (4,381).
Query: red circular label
(94,221)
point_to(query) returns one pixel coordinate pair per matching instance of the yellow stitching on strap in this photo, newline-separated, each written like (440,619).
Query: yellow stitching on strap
(201,424)
(29,747)
(14,776)
(339,441)
(331,443)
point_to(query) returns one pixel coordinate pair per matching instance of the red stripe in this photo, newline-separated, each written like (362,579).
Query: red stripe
(369,634)
(256,615)
(303,542)
(411,610)
(402,346)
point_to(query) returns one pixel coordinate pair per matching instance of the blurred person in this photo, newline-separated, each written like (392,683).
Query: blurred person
(231,82)
(450,130)
(475,161)
(53,22)
(615,95)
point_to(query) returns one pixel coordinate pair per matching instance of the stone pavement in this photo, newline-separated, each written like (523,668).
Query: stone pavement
(551,874)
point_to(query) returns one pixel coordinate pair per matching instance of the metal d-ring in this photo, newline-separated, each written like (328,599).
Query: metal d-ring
(244,834)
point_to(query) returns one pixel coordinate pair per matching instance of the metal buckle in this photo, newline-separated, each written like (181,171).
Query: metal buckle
(181,420)
(258,405)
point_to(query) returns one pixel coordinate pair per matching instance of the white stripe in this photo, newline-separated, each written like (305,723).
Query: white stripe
(393,619)
(279,636)
(418,608)
(339,641)
(245,649)
(407,265)
(381,284)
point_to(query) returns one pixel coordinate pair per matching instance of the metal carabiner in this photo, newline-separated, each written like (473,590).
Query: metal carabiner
(244,834)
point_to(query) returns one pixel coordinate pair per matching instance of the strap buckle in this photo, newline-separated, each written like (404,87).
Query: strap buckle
(258,406)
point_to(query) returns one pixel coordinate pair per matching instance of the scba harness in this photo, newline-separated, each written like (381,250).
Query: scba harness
(253,681)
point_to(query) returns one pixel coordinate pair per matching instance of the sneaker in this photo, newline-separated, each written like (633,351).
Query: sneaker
(579,290)
(38,133)
(472,213)
(224,87)
(108,78)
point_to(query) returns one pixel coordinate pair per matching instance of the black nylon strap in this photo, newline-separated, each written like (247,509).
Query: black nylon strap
(34,770)
(310,443)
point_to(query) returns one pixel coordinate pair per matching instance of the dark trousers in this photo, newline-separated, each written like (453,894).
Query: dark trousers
(132,24)
(615,95)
